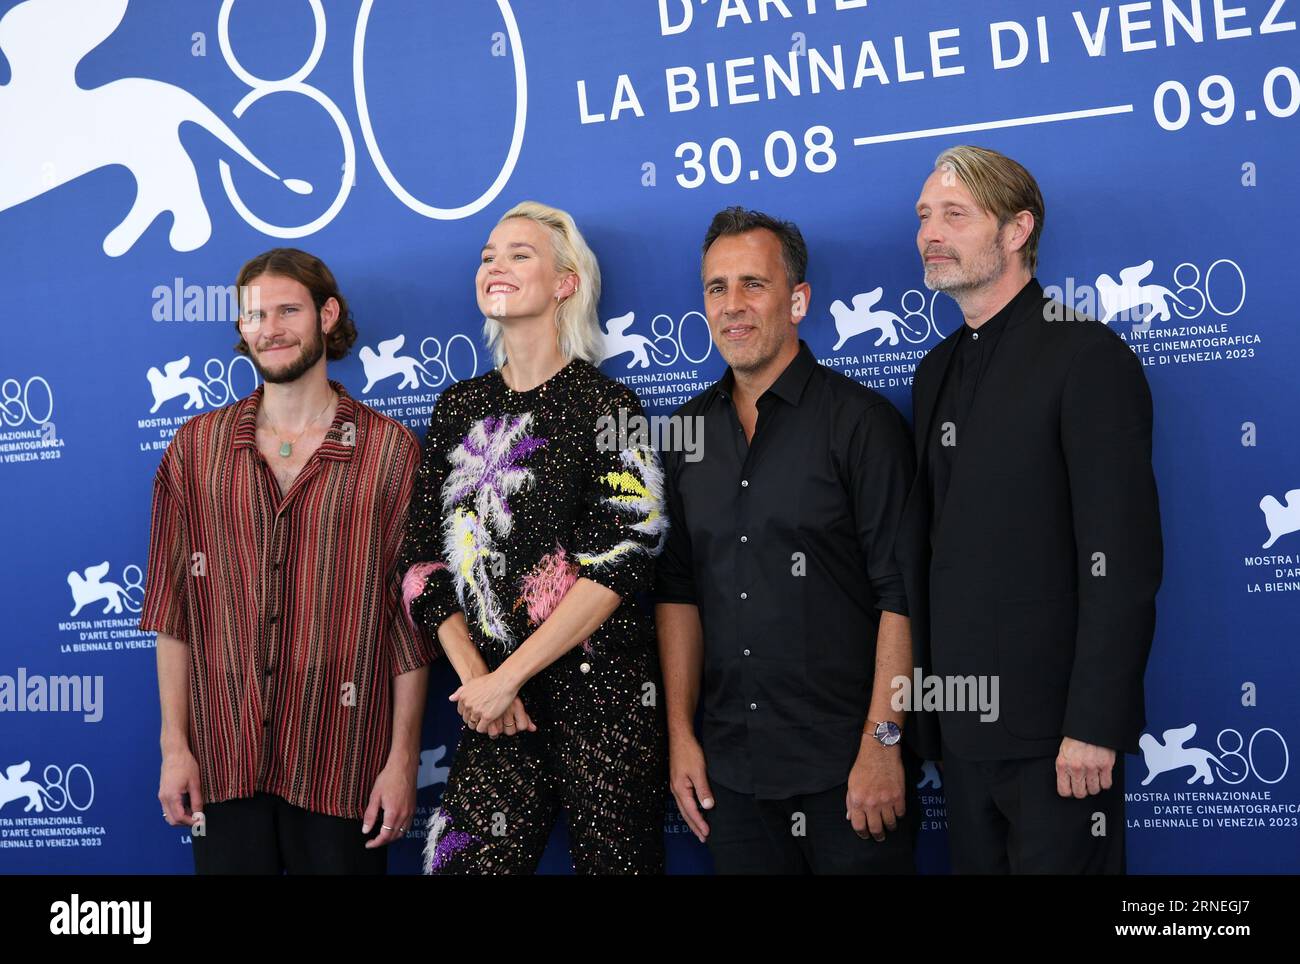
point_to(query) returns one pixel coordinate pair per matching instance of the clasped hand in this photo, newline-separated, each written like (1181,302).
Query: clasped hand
(490,704)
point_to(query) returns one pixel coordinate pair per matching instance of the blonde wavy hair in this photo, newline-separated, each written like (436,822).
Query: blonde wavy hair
(576,320)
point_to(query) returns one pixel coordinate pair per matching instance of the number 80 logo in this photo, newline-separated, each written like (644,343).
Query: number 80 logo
(294,83)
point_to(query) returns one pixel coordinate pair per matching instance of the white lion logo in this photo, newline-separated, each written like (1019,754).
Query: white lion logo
(55,131)
(1129,294)
(850,322)
(172,382)
(14,787)
(386,363)
(617,341)
(88,588)
(1281,519)
(1172,754)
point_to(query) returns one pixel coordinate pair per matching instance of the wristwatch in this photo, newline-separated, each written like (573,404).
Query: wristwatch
(886,732)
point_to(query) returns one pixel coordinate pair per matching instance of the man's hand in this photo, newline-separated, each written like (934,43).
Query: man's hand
(876,798)
(180,775)
(484,699)
(690,783)
(394,794)
(1083,769)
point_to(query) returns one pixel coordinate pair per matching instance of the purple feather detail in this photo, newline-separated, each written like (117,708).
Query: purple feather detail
(491,471)
(525,447)
(449,844)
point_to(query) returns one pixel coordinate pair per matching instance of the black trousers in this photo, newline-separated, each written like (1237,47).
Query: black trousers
(807,834)
(1005,816)
(598,756)
(263,834)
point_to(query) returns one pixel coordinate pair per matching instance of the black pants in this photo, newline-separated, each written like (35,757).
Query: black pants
(599,757)
(1005,816)
(265,835)
(806,834)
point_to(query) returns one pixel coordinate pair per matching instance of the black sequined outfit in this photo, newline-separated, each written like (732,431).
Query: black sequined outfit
(518,495)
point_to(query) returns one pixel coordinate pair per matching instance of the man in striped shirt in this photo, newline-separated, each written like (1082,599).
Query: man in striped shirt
(292,685)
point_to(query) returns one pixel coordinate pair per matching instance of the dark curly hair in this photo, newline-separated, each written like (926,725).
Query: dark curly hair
(311,272)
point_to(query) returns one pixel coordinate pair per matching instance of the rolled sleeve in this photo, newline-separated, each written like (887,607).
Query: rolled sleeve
(881,471)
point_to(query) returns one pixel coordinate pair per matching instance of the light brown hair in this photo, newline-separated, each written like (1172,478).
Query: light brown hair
(311,272)
(1001,186)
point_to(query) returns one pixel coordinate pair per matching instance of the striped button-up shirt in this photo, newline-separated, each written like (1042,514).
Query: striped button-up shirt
(290,603)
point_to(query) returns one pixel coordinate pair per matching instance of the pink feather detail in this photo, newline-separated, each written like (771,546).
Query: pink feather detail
(548,583)
(414,582)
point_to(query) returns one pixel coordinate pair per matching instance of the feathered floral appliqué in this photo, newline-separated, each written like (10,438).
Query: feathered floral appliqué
(638,494)
(476,505)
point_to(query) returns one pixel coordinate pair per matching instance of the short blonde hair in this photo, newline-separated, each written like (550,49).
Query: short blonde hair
(1001,186)
(576,318)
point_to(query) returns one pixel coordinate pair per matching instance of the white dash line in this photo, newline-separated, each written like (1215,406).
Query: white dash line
(994,125)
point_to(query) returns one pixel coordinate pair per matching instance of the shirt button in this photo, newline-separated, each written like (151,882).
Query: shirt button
(744,595)
(744,483)
(275,618)
(744,538)
(585,667)
(975,336)
(753,706)
(746,652)
(266,723)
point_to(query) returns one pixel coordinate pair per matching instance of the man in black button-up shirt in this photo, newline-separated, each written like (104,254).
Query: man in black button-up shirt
(779,601)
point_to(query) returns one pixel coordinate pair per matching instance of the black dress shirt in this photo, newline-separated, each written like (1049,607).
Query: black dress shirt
(785,546)
(970,357)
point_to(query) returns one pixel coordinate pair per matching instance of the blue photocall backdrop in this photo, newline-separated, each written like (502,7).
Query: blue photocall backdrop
(387,137)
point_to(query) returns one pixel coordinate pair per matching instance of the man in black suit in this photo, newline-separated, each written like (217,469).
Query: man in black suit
(1030,543)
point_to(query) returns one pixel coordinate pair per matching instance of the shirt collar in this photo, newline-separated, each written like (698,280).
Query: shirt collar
(789,385)
(340,439)
(1013,308)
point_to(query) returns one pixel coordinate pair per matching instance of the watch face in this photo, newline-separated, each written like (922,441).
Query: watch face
(888,733)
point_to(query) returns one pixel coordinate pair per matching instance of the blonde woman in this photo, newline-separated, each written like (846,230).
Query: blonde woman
(529,535)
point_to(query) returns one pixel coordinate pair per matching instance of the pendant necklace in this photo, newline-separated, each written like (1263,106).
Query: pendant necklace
(286,448)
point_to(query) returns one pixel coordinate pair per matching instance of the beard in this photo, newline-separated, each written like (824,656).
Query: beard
(958,277)
(311,353)
(753,357)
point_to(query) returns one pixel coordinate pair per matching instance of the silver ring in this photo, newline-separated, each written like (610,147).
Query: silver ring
(385,826)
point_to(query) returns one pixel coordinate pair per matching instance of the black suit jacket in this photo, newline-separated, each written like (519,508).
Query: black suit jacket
(1045,568)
